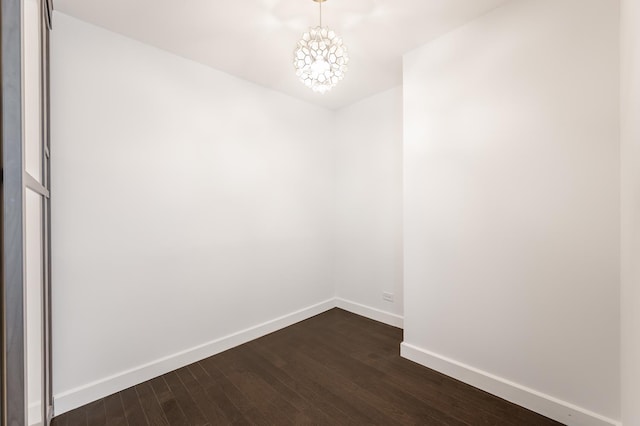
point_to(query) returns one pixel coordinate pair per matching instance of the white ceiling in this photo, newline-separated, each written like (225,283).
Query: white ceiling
(255,39)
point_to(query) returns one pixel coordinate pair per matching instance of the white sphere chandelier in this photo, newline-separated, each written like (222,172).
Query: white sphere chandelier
(320,59)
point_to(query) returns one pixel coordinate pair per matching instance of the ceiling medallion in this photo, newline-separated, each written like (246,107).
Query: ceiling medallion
(320,59)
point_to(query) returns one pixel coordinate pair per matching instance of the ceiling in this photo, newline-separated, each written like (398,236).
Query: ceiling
(255,39)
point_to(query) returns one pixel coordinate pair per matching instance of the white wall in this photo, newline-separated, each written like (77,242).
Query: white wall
(511,209)
(369,206)
(630,295)
(189,205)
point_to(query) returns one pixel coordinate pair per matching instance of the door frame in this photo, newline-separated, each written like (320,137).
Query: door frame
(14,399)
(15,181)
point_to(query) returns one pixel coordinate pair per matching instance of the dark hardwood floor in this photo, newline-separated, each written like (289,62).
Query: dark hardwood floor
(334,369)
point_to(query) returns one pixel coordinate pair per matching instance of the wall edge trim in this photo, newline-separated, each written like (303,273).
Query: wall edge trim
(79,396)
(371,313)
(541,403)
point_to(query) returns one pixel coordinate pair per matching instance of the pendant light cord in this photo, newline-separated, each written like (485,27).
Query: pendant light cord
(320,4)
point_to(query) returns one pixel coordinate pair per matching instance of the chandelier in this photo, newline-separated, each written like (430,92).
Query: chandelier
(320,59)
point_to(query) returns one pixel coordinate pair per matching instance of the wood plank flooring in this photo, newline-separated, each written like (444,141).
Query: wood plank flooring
(334,369)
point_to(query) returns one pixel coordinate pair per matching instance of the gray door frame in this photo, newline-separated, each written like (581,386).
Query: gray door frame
(14,398)
(47,368)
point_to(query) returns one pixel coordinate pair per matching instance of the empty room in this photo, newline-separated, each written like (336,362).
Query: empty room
(320,212)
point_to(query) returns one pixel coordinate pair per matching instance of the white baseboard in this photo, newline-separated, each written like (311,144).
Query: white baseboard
(546,405)
(369,312)
(74,398)
(539,402)
(35,412)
